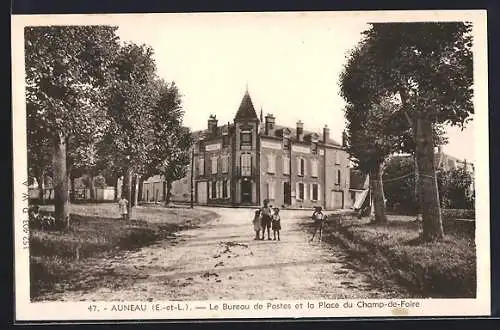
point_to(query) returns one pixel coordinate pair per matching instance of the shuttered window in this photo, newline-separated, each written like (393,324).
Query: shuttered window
(314,168)
(286,165)
(246,165)
(271,164)
(214,165)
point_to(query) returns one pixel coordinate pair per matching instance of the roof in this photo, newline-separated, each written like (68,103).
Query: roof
(277,131)
(246,109)
(357,180)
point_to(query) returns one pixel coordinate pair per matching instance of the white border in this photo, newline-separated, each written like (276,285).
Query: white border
(64,311)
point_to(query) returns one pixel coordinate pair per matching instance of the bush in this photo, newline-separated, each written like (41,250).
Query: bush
(458,213)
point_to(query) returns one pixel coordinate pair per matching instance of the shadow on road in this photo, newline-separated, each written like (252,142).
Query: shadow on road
(215,271)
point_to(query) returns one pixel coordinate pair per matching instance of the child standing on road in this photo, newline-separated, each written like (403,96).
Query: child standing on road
(123,207)
(319,220)
(256,224)
(276,223)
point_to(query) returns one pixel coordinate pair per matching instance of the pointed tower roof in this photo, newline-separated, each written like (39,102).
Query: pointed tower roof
(246,109)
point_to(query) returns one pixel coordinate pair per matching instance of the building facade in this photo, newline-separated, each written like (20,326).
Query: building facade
(253,159)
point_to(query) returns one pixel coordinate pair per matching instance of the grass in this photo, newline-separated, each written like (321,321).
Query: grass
(66,260)
(394,253)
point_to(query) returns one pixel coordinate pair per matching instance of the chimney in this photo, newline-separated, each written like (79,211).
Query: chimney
(326,134)
(212,124)
(300,130)
(344,139)
(269,124)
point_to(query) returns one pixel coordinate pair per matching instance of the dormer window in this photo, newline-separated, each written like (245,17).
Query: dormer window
(286,143)
(246,138)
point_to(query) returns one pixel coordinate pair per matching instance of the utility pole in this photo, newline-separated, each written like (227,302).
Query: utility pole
(192,178)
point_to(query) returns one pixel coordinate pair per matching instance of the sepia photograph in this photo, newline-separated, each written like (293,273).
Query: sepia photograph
(310,163)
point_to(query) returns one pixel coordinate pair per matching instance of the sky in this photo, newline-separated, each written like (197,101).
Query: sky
(290,64)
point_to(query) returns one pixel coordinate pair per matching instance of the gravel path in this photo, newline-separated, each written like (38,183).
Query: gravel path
(221,260)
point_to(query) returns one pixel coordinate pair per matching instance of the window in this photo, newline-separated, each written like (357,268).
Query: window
(201,146)
(219,189)
(246,165)
(286,144)
(314,168)
(286,165)
(337,157)
(271,166)
(246,138)
(314,192)
(225,163)
(225,188)
(314,148)
(201,166)
(338,177)
(301,166)
(270,192)
(214,165)
(213,189)
(225,141)
(300,194)
(228,189)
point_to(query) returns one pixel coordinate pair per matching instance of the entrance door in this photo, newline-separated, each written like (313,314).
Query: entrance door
(287,193)
(337,199)
(246,191)
(201,192)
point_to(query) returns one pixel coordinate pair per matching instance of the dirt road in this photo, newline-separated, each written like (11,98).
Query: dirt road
(222,261)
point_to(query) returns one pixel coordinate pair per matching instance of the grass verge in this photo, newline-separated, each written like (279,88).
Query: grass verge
(71,260)
(394,253)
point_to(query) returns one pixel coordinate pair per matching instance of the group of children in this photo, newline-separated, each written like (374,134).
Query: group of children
(267,218)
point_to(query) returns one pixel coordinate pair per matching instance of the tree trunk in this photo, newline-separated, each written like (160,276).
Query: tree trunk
(141,181)
(60,180)
(91,186)
(418,191)
(168,194)
(127,189)
(72,188)
(132,190)
(378,195)
(41,187)
(431,213)
(136,189)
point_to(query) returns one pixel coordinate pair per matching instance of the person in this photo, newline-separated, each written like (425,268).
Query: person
(266,215)
(123,207)
(276,223)
(256,224)
(319,220)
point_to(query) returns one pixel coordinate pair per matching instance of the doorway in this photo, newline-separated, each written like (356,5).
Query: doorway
(287,193)
(246,191)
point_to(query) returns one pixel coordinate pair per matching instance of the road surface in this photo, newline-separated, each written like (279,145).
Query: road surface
(221,260)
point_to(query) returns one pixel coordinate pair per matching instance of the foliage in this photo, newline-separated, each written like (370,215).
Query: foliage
(399,183)
(426,70)
(67,68)
(399,186)
(454,189)
(170,153)
(131,97)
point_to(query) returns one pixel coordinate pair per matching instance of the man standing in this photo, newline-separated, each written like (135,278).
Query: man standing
(266,214)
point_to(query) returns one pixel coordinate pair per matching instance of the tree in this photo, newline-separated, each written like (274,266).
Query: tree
(370,140)
(428,68)
(171,154)
(66,68)
(129,138)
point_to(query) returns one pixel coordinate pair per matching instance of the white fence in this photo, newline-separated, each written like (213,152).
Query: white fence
(100,194)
